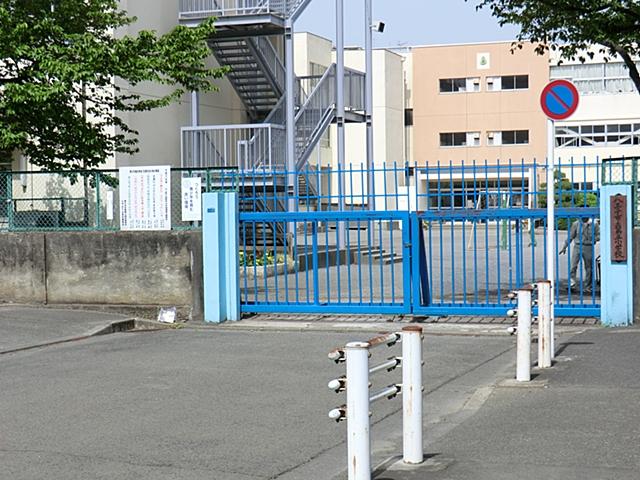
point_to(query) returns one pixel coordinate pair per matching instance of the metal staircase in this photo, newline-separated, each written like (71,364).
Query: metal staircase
(256,72)
(244,41)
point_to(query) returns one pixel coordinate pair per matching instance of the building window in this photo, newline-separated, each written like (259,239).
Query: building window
(594,78)
(612,135)
(508,137)
(408,117)
(459,85)
(508,82)
(460,139)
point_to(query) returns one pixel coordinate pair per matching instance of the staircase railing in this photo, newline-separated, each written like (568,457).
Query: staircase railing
(264,145)
(314,110)
(229,8)
(241,146)
(269,57)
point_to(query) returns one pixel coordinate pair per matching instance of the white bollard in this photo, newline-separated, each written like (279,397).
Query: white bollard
(412,395)
(523,342)
(544,324)
(358,427)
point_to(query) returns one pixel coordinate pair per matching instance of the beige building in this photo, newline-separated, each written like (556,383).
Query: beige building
(478,102)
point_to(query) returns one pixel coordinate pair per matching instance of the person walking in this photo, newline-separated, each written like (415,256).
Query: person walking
(586,234)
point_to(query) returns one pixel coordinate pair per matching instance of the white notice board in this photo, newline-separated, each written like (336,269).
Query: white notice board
(191,199)
(145,198)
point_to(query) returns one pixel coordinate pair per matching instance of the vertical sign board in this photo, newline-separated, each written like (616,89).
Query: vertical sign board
(191,199)
(145,198)
(619,229)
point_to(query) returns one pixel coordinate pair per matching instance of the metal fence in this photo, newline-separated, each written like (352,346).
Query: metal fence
(624,171)
(85,200)
(88,200)
(463,235)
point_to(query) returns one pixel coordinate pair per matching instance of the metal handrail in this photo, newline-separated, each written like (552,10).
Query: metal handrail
(227,8)
(270,59)
(246,146)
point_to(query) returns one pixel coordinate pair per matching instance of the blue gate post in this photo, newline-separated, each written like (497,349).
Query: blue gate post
(220,257)
(617,275)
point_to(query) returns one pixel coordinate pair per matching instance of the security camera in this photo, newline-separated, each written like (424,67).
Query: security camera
(378,27)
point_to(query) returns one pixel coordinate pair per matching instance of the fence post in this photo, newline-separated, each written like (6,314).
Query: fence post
(544,324)
(412,394)
(98,180)
(358,428)
(523,342)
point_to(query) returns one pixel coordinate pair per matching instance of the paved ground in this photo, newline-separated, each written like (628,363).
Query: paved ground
(22,327)
(233,404)
(208,403)
(585,425)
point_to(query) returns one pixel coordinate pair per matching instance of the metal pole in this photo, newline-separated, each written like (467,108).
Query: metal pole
(195,109)
(544,324)
(523,342)
(551,224)
(358,428)
(291,110)
(340,233)
(412,451)
(195,136)
(368,101)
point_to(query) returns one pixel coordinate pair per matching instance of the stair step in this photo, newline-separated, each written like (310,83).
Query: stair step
(377,257)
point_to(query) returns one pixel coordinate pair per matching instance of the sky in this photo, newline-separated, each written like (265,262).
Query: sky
(408,22)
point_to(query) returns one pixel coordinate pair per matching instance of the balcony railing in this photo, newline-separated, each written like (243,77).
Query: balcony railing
(228,8)
(246,147)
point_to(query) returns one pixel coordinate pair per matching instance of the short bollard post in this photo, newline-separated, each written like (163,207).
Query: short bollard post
(523,341)
(358,438)
(544,324)
(412,451)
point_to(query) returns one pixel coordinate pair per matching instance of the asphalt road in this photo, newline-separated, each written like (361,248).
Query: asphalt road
(209,404)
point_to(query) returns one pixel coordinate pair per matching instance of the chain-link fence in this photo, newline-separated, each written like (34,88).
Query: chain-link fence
(624,171)
(87,199)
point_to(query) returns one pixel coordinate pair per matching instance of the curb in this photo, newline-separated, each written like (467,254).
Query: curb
(126,325)
(434,329)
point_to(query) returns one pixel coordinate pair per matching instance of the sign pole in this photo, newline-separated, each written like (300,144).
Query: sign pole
(551,226)
(559,100)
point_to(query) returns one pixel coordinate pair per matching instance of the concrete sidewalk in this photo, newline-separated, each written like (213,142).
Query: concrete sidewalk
(27,327)
(584,424)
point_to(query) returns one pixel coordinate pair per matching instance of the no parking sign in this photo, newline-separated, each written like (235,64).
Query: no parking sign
(559,99)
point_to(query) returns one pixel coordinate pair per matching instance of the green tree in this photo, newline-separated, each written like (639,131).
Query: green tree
(65,78)
(572,26)
(567,196)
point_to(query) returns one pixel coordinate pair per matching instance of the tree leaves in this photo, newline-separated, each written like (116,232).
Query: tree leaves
(573,27)
(62,71)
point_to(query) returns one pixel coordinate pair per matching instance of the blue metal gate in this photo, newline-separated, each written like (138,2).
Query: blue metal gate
(445,240)
(466,262)
(326,262)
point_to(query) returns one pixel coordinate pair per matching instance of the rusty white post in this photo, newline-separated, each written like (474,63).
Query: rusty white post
(358,427)
(523,342)
(544,324)
(412,451)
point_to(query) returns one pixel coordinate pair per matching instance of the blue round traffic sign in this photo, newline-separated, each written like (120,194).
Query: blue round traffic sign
(559,99)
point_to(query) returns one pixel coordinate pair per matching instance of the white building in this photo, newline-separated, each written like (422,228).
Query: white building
(607,121)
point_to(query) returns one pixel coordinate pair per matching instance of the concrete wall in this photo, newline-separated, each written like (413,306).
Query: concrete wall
(103,268)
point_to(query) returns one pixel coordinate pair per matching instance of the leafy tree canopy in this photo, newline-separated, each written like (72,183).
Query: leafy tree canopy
(572,26)
(59,61)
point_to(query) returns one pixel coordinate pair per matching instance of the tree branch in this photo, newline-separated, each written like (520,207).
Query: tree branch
(631,65)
